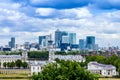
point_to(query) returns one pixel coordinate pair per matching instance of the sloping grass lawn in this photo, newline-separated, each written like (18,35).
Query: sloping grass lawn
(14,74)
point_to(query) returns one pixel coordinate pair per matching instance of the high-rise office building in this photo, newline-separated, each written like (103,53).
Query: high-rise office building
(45,41)
(58,38)
(72,38)
(81,44)
(90,42)
(13,42)
(40,39)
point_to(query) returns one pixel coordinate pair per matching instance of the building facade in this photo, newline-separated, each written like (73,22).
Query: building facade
(90,42)
(77,58)
(40,39)
(36,67)
(58,38)
(12,42)
(9,58)
(102,69)
(82,44)
(72,38)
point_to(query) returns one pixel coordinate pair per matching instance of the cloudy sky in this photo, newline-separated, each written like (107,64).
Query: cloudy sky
(27,19)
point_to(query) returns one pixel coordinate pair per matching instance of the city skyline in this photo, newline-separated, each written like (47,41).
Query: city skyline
(27,19)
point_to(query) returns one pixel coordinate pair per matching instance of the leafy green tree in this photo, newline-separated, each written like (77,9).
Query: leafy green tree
(18,63)
(8,64)
(12,64)
(24,65)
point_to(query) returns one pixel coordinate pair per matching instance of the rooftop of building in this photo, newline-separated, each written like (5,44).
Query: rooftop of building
(10,56)
(102,65)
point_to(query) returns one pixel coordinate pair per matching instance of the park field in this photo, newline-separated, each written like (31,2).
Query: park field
(14,74)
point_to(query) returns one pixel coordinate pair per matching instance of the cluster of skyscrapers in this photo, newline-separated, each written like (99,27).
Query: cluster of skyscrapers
(62,40)
(65,40)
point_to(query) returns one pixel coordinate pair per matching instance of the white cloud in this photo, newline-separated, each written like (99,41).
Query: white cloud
(44,11)
(78,12)
(6,30)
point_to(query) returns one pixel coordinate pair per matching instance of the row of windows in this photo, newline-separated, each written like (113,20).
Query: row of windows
(37,68)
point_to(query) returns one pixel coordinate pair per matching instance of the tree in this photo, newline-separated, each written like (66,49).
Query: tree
(5,64)
(64,70)
(8,65)
(18,63)
(42,55)
(24,65)
(12,64)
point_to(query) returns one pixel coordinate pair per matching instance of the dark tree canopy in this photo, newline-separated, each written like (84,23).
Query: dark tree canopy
(18,63)
(42,55)
(24,65)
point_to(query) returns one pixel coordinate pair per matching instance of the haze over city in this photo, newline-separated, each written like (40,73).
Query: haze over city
(27,19)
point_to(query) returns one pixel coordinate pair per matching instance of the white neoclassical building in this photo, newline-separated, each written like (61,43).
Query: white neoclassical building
(9,58)
(77,58)
(36,66)
(102,69)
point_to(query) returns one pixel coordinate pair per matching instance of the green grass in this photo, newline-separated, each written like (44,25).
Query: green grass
(15,74)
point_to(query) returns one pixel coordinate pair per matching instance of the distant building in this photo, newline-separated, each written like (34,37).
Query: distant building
(72,38)
(27,45)
(40,39)
(9,44)
(90,42)
(58,38)
(64,46)
(74,47)
(102,69)
(77,58)
(81,44)
(12,42)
